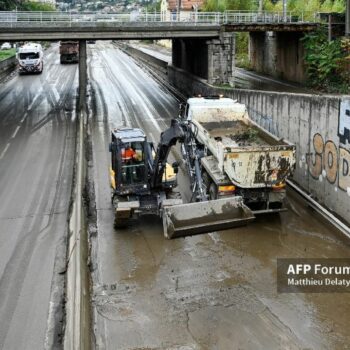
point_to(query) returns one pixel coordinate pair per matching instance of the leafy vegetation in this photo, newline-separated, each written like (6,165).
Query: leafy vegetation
(242,57)
(327,62)
(297,6)
(153,6)
(223,5)
(4,54)
(10,5)
(37,6)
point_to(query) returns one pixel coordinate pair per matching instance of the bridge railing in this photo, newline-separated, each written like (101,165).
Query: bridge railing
(15,18)
(271,17)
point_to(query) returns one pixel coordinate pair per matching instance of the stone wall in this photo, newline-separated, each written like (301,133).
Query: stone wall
(209,59)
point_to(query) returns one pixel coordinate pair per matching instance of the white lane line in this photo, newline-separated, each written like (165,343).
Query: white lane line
(24,117)
(4,151)
(15,132)
(35,98)
(56,93)
(132,100)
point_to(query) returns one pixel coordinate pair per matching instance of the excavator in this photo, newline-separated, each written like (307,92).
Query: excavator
(143,183)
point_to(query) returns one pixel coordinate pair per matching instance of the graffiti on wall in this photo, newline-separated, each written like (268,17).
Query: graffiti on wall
(330,162)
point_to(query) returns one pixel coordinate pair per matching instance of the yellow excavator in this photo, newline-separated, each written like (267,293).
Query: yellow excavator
(143,184)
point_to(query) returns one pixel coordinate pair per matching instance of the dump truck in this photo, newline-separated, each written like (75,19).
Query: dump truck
(239,157)
(69,52)
(236,170)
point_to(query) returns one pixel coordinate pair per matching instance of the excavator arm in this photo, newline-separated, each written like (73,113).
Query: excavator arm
(168,138)
(201,216)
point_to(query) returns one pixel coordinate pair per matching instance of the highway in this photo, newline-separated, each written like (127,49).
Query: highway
(37,142)
(211,291)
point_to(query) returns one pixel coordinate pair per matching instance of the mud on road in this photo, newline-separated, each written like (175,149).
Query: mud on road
(211,291)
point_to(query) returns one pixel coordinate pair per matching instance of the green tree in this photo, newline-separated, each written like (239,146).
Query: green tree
(36,6)
(324,60)
(339,6)
(223,5)
(9,5)
(327,6)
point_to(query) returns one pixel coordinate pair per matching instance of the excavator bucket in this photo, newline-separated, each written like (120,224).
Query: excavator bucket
(203,217)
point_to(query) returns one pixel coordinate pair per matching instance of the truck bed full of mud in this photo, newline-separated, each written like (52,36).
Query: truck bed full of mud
(237,133)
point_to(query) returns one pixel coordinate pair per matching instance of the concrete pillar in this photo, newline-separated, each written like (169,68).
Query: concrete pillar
(213,60)
(256,50)
(82,75)
(210,76)
(278,54)
(221,59)
(290,63)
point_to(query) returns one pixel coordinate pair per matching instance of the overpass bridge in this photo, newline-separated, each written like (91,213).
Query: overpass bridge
(64,25)
(203,42)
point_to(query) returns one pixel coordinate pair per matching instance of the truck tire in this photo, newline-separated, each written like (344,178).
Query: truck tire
(206,180)
(120,223)
(213,191)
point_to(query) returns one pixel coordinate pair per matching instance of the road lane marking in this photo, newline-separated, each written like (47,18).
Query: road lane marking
(15,132)
(56,94)
(4,151)
(24,117)
(35,98)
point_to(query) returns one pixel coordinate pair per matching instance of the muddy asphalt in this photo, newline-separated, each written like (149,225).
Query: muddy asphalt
(37,142)
(211,291)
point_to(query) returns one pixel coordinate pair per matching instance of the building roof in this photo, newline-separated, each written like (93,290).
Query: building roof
(185,5)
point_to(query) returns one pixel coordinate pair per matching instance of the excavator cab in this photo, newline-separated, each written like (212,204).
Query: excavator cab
(129,167)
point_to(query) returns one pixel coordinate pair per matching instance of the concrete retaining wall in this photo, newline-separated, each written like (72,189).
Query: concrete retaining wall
(148,59)
(8,63)
(318,125)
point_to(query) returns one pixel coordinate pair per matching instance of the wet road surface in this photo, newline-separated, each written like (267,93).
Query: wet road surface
(37,138)
(211,291)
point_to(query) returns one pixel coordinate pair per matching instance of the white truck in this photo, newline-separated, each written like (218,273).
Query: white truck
(238,157)
(30,58)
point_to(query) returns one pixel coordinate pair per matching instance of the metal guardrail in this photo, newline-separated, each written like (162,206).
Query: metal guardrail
(229,17)
(324,212)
